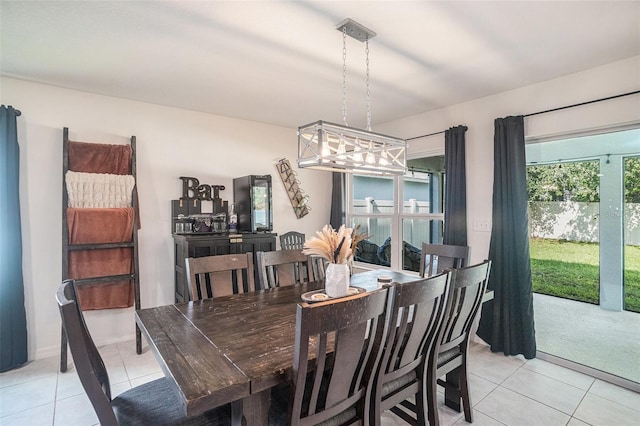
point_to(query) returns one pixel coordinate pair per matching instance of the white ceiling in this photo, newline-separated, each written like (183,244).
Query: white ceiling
(280,62)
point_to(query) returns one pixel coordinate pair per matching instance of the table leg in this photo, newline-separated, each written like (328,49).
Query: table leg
(452,390)
(255,408)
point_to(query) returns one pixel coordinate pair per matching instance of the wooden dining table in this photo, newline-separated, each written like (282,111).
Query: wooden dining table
(216,351)
(231,348)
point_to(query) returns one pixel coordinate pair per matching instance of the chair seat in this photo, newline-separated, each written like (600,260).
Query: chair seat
(399,383)
(446,356)
(155,403)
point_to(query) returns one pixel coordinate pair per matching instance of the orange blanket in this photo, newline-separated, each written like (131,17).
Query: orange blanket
(95,226)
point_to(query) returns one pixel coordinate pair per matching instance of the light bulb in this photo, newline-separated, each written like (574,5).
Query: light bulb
(341,150)
(370,159)
(357,156)
(325,153)
(383,159)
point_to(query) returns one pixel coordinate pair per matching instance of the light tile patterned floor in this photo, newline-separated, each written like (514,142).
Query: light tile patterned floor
(505,391)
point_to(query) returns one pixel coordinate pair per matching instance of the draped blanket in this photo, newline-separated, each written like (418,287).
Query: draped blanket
(99,158)
(99,190)
(96,226)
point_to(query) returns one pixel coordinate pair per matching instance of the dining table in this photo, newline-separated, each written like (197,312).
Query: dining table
(217,351)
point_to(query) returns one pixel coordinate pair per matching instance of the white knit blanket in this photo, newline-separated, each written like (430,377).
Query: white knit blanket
(97,190)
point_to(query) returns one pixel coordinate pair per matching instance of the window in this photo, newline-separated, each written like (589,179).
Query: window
(397,229)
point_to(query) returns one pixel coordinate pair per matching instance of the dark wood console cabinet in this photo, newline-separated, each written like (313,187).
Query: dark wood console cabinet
(199,245)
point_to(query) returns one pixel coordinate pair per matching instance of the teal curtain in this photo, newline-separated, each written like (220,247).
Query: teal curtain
(455,196)
(507,320)
(13,321)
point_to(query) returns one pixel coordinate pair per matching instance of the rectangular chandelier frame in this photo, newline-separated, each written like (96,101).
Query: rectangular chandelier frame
(333,147)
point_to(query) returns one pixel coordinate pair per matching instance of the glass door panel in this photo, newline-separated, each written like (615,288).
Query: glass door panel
(584,226)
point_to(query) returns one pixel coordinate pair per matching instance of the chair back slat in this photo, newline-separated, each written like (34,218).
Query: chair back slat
(318,268)
(282,268)
(468,286)
(436,258)
(216,276)
(351,329)
(292,241)
(86,358)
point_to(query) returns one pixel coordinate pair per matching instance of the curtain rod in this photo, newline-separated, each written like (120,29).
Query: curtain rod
(424,136)
(582,103)
(549,110)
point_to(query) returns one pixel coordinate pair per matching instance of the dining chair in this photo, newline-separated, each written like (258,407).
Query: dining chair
(417,311)
(468,286)
(337,350)
(152,403)
(318,267)
(282,268)
(292,240)
(436,258)
(215,276)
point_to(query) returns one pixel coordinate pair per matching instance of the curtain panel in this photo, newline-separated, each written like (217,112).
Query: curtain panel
(455,198)
(13,322)
(338,202)
(507,322)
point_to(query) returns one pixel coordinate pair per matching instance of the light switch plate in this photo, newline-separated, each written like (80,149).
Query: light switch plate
(481,225)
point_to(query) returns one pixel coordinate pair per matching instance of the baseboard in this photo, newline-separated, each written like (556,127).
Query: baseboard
(51,351)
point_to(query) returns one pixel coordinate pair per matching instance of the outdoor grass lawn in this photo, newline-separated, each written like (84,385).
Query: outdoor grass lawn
(570,269)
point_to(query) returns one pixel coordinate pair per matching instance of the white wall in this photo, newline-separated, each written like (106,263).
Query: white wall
(170,143)
(479,115)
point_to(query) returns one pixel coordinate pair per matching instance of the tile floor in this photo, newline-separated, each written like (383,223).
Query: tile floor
(505,391)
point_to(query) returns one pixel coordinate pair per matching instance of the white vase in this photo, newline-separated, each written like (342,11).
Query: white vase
(336,280)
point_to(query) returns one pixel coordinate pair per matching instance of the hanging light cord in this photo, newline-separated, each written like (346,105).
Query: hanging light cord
(366,50)
(344,75)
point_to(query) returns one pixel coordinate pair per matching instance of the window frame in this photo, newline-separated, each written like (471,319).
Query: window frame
(397,216)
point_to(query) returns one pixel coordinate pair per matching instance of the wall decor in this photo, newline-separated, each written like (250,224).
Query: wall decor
(299,201)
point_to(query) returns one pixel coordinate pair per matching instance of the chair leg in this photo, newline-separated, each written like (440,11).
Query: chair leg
(421,405)
(464,393)
(374,409)
(432,398)
(421,398)
(63,351)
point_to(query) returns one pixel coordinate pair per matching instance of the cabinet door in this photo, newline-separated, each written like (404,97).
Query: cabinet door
(208,248)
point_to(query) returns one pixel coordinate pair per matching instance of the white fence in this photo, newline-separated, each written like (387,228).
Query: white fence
(578,221)
(415,231)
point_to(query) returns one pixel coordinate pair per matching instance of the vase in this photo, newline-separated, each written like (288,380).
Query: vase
(336,280)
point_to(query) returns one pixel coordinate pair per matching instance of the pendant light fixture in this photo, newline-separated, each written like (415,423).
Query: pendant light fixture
(340,148)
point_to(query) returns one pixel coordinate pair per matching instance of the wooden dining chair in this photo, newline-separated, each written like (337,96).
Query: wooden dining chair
(318,267)
(337,350)
(292,240)
(417,311)
(468,286)
(436,258)
(282,268)
(153,403)
(215,276)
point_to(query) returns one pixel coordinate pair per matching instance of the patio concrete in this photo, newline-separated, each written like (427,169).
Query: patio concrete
(589,335)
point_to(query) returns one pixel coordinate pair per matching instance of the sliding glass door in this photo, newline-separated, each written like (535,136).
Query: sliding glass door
(584,222)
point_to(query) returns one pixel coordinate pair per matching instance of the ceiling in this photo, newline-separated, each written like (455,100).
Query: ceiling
(280,62)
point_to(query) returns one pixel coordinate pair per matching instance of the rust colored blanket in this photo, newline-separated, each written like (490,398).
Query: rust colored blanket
(95,226)
(99,158)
